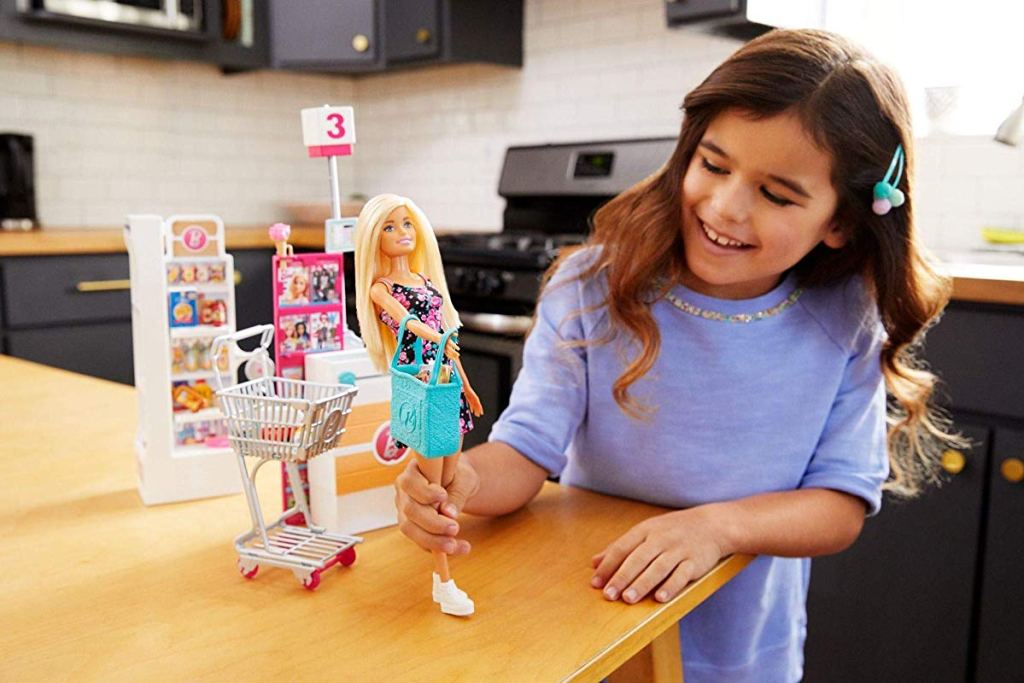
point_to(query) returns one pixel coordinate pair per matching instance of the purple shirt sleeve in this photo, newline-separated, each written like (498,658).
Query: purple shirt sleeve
(852,454)
(549,398)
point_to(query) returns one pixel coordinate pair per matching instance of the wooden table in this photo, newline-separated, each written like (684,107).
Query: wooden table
(95,586)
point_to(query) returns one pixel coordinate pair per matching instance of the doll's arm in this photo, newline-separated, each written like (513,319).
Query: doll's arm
(475,406)
(381,296)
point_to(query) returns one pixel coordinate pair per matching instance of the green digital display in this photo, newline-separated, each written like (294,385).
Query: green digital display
(594,165)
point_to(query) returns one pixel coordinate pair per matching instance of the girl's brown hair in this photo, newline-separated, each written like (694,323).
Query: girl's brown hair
(854,108)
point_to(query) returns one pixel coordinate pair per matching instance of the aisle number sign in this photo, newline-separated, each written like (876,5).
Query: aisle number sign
(328,131)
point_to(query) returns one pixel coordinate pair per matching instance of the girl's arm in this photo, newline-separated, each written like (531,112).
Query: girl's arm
(672,549)
(490,479)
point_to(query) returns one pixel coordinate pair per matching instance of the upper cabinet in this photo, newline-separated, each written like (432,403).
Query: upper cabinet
(231,33)
(325,35)
(359,36)
(332,36)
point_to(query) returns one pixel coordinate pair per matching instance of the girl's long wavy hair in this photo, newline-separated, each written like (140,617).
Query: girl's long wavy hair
(853,107)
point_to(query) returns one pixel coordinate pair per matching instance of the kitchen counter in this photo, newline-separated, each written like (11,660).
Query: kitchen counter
(976,276)
(97,586)
(53,242)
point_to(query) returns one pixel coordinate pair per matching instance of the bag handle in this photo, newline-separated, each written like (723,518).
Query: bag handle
(441,346)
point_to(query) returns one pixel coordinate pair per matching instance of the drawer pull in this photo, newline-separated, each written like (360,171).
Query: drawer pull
(423,36)
(953,461)
(238,277)
(103,285)
(360,43)
(1012,470)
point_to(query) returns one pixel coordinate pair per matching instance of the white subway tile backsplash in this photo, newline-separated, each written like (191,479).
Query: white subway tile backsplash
(119,134)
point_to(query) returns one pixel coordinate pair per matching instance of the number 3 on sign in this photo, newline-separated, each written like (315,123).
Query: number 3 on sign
(325,126)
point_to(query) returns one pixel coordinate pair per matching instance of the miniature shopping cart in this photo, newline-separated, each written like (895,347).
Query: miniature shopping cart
(276,419)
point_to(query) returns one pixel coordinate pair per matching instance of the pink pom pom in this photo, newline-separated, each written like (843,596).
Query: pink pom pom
(279,232)
(881,206)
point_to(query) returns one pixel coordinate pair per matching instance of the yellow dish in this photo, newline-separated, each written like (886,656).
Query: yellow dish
(1002,236)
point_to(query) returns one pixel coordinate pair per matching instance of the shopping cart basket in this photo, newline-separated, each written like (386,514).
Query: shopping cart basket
(276,419)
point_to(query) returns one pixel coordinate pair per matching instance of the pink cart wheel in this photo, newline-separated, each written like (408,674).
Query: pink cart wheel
(249,574)
(347,557)
(312,582)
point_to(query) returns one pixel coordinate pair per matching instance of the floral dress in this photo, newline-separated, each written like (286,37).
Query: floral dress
(425,303)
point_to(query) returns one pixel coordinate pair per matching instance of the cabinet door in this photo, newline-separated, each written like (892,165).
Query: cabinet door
(411,30)
(254,293)
(323,33)
(101,350)
(1001,623)
(896,606)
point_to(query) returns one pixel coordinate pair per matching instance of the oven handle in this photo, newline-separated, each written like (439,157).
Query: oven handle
(496,323)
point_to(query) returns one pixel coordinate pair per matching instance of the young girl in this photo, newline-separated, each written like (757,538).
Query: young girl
(399,272)
(723,345)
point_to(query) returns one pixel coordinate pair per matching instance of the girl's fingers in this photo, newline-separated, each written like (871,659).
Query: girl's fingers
(628,570)
(413,484)
(444,544)
(428,518)
(613,556)
(676,582)
(596,559)
(655,573)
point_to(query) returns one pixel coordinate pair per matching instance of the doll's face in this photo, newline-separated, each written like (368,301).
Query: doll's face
(298,285)
(398,234)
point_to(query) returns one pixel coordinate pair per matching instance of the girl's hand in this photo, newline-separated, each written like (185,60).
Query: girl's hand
(475,406)
(664,552)
(427,512)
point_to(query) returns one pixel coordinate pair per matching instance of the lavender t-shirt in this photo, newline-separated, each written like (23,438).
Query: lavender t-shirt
(794,400)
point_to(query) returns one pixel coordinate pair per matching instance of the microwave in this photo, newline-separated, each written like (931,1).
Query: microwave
(173,15)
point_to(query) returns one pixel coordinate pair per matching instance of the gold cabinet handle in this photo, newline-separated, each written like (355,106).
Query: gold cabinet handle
(103,285)
(238,277)
(953,461)
(360,43)
(423,36)
(1012,470)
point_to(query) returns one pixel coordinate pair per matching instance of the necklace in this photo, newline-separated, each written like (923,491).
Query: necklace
(735,317)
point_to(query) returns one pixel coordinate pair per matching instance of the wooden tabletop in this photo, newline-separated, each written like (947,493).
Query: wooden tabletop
(96,586)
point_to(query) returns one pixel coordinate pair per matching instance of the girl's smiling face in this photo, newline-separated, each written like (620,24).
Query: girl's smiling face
(398,235)
(757,197)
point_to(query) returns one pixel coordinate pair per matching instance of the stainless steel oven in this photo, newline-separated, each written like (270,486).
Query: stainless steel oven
(171,15)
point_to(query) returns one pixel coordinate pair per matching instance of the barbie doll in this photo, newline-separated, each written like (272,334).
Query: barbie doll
(399,272)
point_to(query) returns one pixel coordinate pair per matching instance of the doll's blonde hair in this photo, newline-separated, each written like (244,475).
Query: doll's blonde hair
(371,264)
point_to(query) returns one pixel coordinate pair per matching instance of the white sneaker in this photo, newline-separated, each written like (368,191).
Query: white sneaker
(452,600)
(435,591)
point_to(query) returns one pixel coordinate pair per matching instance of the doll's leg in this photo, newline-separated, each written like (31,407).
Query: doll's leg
(449,463)
(432,469)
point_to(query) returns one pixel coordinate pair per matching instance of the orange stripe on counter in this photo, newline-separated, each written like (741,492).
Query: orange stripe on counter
(361,471)
(366,414)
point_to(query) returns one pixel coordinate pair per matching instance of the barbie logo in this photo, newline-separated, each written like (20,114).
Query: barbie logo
(385,450)
(194,238)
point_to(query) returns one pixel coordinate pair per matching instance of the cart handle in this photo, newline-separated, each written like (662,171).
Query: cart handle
(266,333)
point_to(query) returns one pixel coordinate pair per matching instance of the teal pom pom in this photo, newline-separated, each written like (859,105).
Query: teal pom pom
(347,377)
(896,197)
(882,190)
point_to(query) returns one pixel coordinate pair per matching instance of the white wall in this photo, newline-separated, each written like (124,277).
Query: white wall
(116,135)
